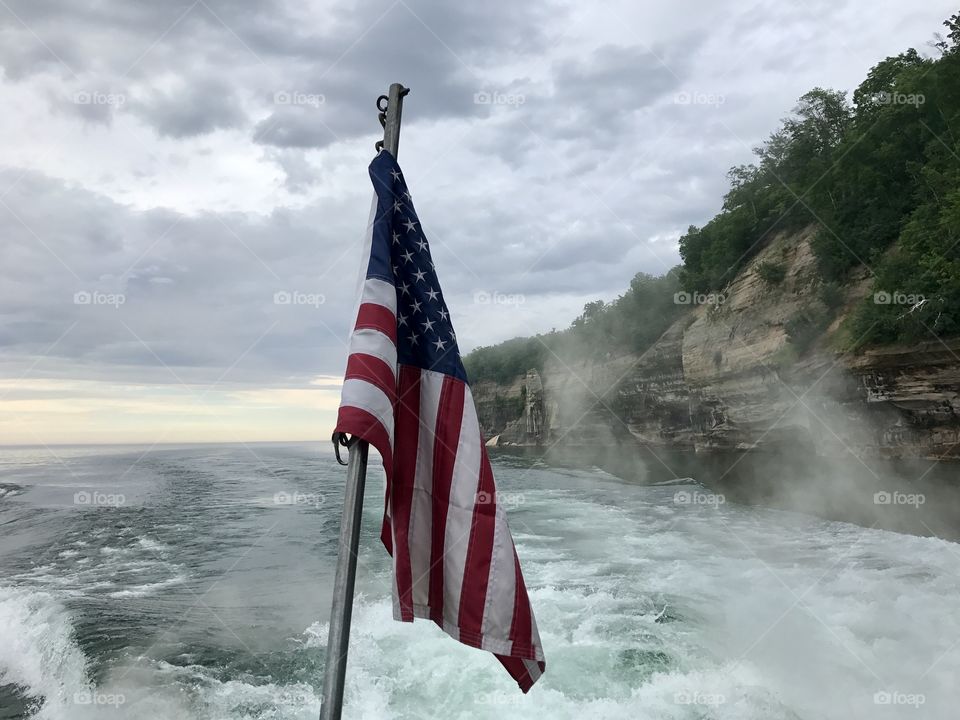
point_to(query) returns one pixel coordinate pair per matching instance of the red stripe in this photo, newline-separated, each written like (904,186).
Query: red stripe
(520,627)
(364,425)
(476,571)
(446,439)
(375,371)
(377,317)
(518,671)
(407,424)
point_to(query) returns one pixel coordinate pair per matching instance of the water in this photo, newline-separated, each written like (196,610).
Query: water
(183,586)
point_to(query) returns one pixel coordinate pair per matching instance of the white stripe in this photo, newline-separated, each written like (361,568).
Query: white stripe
(532,668)
(366,247)
(367,396)
(380,292)
(373,342)
(463,495)
(501,582)
(421,512)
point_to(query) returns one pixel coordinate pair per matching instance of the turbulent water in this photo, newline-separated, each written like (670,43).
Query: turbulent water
(194,582)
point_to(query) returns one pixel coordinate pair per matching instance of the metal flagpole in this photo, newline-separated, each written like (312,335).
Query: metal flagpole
(338,639)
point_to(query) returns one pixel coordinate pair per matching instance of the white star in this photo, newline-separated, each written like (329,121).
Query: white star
(404,288)
(419,275)
(411,225)
(407,256)
(440,344)
(422,244)
(406,194)
(432,294)
(413,338)
(395,175)
(428,325)
(416,306)
(401,319)
(397,205)
(396,238)
(443,314)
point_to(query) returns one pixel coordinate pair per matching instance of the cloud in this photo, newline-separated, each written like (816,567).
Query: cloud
(195,159)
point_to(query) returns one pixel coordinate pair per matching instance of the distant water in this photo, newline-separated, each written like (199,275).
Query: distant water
(194,583)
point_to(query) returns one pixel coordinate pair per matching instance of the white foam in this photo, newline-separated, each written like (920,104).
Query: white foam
(37,651)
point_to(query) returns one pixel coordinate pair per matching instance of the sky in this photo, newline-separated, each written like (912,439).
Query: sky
(184,189)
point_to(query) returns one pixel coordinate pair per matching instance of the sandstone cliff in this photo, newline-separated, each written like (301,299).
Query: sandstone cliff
(725,376)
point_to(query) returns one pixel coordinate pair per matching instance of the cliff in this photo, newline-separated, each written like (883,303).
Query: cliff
(726,376)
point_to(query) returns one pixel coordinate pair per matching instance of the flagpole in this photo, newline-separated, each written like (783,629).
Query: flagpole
(338,638)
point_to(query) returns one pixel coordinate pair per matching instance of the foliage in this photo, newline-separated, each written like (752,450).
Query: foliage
(881,171)
(771,273)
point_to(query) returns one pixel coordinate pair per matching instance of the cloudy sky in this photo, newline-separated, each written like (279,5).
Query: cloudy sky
(170,167)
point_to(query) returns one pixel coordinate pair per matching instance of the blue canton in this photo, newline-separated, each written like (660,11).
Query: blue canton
(401,256)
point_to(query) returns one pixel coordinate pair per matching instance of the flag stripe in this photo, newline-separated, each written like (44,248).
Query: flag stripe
(463,494)
(520,628)
(421,512)
(408,430)
(476,573)
(446,440)
(360,423)
(377,317)
(361,366)
(375,343)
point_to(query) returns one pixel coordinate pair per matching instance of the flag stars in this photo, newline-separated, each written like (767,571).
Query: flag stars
(421,244)
(397,206)
(410,225)
(407,256)
(404,289)
(428,325)
(432,294)
(440,344)
(395,175)
(443,314)
(413,338)
(415,306)
(396,239)
(419,274)
(401,319)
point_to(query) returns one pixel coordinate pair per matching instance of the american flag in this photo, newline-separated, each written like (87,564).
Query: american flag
(405,392)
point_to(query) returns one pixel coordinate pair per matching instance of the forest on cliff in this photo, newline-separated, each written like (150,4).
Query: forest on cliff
(877,174)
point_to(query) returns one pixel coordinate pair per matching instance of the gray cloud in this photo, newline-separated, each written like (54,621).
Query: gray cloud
(548,146)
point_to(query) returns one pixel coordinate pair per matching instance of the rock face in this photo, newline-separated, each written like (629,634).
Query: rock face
(726,377)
